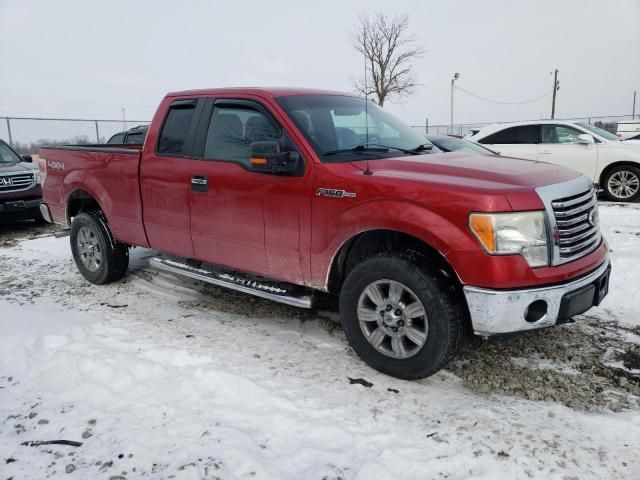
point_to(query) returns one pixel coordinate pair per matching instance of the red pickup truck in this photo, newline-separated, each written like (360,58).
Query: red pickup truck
(285,193)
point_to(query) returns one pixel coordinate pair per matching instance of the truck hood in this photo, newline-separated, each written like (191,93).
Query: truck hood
(491,172)
(22,167)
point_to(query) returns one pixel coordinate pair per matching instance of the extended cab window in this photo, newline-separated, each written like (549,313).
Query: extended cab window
(176,128)
(233,129)
(514,135)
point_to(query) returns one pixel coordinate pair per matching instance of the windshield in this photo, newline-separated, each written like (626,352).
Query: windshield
(451,144)
(7,155)
(599,131)
(337,125)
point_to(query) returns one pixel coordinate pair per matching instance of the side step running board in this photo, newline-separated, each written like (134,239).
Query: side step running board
(272,290)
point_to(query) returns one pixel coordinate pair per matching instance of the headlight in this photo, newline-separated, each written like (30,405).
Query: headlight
(520,233)
(37,177)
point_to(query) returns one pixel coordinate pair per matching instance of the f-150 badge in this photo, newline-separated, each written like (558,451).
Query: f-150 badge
(333,193)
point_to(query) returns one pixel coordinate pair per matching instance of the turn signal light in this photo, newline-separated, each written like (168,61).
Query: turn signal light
(482,227)
(258,161)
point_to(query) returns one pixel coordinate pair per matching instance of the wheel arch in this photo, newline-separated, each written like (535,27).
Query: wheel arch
(376,241)
(611,166)
(80,200)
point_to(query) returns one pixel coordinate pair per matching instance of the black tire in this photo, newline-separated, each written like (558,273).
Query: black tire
(114,256)
(444,314)
(632,173)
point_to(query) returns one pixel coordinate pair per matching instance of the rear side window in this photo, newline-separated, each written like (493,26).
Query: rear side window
(514,135)
(175,129)
(232,130)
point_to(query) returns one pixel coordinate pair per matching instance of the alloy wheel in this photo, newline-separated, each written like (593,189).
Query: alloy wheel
(89,249)
(393,319)
(623,184)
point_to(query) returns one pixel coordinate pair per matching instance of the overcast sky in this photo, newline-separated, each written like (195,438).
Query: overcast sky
(90,59)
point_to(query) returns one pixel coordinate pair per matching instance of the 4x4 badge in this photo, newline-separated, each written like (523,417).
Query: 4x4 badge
(332,192)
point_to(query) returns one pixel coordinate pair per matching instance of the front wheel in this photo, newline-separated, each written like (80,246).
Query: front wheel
(399,318)
(98,257)
(622,183)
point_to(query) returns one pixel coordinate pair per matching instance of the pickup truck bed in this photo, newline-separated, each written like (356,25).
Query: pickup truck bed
(109,173)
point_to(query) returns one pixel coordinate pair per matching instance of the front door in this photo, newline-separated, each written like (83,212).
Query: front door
(559,145)
(254,222)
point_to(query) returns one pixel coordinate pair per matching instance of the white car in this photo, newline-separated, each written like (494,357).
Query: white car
(628,129)
(612,164)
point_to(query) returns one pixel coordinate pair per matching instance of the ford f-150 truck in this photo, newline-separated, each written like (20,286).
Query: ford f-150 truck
(285,193)
(20,193)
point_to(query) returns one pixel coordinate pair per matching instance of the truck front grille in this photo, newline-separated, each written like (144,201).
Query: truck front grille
(22,181)
(577,224)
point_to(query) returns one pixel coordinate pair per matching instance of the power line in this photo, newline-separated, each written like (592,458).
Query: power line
(504,103)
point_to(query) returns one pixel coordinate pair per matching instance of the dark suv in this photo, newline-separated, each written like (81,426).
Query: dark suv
(133,136)
(20,193)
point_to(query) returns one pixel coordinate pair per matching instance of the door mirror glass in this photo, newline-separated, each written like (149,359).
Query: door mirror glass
(585,139)
(267,157)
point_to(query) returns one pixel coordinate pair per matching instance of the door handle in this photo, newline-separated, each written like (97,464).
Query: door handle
(200,183)
(546,152)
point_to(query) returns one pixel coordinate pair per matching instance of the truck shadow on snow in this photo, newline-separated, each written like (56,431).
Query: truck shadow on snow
(587,365)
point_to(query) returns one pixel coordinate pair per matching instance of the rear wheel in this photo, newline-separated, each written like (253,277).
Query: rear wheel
(98,257)
(622,183)
(399,318)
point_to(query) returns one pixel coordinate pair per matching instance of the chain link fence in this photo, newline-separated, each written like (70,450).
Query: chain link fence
(607,122)
(27,134)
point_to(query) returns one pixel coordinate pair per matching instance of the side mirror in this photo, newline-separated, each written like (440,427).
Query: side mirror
(27,158)
(266,157)
(585,139)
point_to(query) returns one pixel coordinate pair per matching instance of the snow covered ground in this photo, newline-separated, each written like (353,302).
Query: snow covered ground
(159,377)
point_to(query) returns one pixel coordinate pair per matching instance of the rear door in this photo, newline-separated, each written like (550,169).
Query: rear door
(165,179)
(559,145)
(254,222)
(520,141)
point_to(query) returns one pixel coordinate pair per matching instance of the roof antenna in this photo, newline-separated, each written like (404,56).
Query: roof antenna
(366,102)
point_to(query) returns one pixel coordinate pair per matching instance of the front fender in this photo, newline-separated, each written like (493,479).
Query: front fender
(330,235)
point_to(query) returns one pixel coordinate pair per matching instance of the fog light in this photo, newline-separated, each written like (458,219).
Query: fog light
(536,255)
(536,311)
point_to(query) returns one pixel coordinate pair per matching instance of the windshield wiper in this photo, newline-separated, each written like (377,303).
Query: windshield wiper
(356,149)
(374,147)
(423,147)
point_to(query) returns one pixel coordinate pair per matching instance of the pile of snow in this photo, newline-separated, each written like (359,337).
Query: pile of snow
(158,382)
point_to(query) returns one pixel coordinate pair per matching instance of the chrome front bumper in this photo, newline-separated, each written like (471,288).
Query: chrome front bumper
(495,312)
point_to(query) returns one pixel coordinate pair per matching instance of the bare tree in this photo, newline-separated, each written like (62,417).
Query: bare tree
(388,50)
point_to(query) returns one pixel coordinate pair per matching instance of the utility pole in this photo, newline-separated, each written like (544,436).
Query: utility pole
(555,89)
(633,115)
(456,76)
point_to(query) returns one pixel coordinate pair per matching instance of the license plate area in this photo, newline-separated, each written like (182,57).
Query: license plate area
(602,286)
(582,299)
(14,205)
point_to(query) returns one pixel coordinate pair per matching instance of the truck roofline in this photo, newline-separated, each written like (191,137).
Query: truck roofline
(272,92)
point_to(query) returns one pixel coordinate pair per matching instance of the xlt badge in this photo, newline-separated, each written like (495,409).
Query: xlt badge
(334,193)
